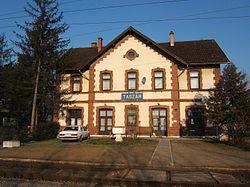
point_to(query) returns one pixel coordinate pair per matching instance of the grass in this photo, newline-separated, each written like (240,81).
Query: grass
(95,142)
(125,142)
(44,142)
(228,145)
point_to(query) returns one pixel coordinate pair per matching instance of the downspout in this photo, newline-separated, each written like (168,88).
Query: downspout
(81,73)
(179,111)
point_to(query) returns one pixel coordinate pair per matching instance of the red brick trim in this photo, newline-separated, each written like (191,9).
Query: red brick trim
(131,58)
(56,115)
(72,108)
(200,79)
(217,75)
(145,131)
(129,128)
(174,130)
(101,80)
(166,90)
(139,101)
(153,78)
(93,129)
(150,116)
(126,79)
(97,116)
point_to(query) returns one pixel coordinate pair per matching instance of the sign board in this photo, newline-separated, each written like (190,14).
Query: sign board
(118,130)
(132,96)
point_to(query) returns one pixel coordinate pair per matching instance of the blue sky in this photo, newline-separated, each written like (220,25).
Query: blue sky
(232,35)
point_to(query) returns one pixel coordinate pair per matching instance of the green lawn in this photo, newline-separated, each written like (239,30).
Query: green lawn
(96,142)
(100,150)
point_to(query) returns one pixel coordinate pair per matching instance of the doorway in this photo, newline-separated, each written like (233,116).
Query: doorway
(195,122)
(159,121)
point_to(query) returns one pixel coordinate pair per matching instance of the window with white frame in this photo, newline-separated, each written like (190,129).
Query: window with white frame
(76,84)
(131,77)
(158,79)
(194,79)
(131,117)
(106,81)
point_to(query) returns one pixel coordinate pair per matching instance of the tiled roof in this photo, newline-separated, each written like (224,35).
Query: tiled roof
(77,58)
(197,52)
(201,52)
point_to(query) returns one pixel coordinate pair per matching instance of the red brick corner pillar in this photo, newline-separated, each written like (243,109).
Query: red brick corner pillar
(174,130)
(217,75)
(92,128)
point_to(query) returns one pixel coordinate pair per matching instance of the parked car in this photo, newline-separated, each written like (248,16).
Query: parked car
(74,133)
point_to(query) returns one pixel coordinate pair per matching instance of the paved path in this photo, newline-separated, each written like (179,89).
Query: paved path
(177,153)
(162,155)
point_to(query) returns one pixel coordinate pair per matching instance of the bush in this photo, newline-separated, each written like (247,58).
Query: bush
(45,131)
(9,133)
(14,133)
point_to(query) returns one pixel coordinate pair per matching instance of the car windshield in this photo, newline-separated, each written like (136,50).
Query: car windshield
(71,129)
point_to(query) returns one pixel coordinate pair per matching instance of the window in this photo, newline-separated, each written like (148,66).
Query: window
(76,84)
(131,117)
(106,81)
(105,120)
(194,79)
(131,54)
(131,77)
(75,117)
(158,80)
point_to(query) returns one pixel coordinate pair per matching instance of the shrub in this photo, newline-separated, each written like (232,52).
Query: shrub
(14,133)
(45,131)
(8,133)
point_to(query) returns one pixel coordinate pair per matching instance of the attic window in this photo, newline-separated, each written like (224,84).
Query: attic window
(131,54)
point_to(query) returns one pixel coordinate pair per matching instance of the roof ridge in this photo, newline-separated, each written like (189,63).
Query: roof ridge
(190,41)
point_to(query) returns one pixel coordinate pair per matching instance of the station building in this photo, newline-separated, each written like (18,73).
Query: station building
(145,87)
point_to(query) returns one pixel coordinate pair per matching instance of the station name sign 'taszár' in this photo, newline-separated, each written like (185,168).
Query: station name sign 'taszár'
(132,96)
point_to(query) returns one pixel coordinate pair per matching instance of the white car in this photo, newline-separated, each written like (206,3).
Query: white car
(74,133)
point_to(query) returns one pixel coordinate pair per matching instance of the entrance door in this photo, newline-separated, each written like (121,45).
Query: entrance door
(159,121)
(105,121)
(196,122)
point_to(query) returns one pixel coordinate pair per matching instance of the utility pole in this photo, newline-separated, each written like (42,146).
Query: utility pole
(33,114)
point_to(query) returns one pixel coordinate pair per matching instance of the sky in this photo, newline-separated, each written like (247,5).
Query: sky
(226,21)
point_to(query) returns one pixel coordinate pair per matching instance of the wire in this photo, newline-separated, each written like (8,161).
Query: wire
(162,20)
(102,8)
(22,11)
(69,2)
(14,17)
(125,5)
(131,21)
(152,21)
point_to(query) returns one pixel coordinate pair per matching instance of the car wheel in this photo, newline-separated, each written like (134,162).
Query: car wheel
(80,139)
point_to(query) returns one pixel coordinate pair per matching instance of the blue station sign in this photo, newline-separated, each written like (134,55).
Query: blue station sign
(132,96)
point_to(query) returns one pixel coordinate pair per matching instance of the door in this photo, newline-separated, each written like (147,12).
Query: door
(196,122)
(105,121)
(159,121)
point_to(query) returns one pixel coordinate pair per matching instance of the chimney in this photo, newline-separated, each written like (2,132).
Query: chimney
(93,44)
(171,34)
(99,43)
